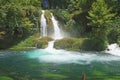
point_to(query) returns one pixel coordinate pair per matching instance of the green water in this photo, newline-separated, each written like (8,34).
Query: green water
(58,65)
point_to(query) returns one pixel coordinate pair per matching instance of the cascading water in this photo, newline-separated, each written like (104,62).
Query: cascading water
(43,28)
(57,34)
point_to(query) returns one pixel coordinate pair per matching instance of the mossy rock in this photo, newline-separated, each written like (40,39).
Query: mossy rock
(48,17)
(50,28)
(69,43)
(5,78)
(42,42)
(65,43)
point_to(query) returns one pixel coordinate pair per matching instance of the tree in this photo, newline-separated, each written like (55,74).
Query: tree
(100,17)
(14,12)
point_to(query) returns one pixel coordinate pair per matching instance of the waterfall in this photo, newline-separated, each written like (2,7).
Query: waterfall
(56,35)
(114,49)
(43,28)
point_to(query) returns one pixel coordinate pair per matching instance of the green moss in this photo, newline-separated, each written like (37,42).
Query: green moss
(48,18)
(5,78)
(78,44)
(52,75)
(70,43)
(42,42)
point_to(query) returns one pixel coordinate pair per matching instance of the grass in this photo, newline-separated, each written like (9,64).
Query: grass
(27,43)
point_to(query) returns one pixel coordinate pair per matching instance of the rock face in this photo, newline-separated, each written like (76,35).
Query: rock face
(42,42)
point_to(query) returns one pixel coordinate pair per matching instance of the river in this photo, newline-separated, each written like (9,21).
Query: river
(40,64)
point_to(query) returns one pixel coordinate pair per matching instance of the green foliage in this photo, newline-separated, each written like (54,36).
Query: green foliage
(62,15)
(28,43)
(100,15)
(113,36)
(19,16)
(94,18)
(114,32)
(94,45)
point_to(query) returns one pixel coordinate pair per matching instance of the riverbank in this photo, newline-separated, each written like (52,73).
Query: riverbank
(18,43)
(26,44)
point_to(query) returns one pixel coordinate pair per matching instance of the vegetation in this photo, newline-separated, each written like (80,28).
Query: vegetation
(92,25)
(98,20)
(27,43)
(5,78)
(70,44)
(48,16)
(18,20)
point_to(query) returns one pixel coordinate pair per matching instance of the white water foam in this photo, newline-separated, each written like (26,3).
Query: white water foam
(57,33)
(114,49)
(63,57)
(68,57)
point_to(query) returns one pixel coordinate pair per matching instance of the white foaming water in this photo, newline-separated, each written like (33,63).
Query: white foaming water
(114,49)
(50,46)
(57,33)
(68,57)
(43,25)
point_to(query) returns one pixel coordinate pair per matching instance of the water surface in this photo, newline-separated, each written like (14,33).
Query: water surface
(59,65)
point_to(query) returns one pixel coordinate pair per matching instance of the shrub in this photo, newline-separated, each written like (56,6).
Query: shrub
(94,45)
(113,36)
